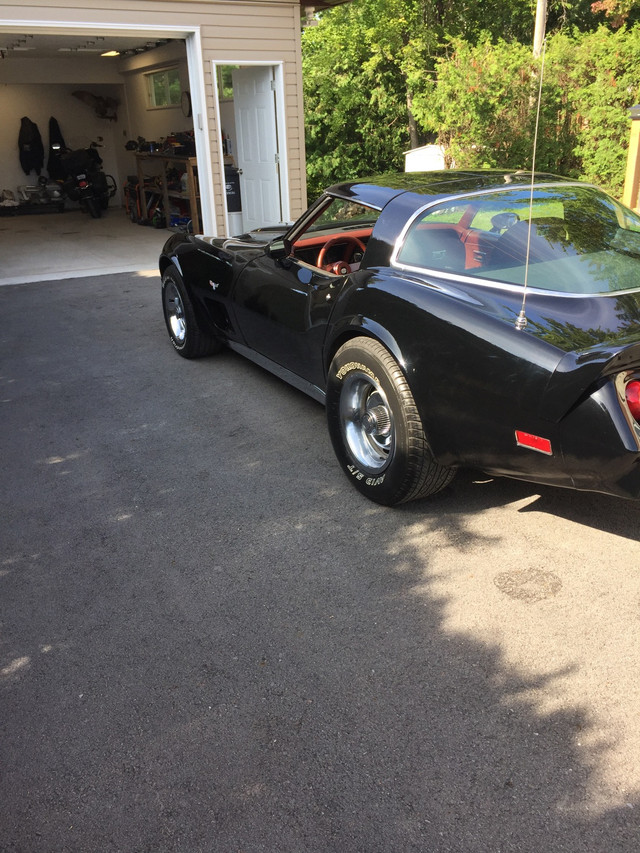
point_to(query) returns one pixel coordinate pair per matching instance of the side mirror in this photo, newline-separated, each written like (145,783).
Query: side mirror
(279,250)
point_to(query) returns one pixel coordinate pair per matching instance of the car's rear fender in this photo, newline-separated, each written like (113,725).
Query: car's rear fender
(473,376)
(578,374)
(360,325)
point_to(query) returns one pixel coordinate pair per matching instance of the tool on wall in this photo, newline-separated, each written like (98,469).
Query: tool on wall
(104,107)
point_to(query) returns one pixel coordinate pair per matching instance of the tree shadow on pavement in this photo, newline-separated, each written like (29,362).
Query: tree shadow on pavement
(212,643)
(476,491)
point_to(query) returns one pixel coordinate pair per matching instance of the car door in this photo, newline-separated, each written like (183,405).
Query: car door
(284,297)
(283,308)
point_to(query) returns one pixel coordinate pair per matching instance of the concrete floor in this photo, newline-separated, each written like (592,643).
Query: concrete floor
(57,246)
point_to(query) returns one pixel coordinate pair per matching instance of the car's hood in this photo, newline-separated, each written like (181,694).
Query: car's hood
(259,236)
(243,248)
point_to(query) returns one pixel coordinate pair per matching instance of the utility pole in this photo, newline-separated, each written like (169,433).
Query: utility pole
(541,26)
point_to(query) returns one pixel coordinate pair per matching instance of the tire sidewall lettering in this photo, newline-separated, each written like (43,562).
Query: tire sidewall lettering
(363,478)
(360,476)
(366,481)
(356,365)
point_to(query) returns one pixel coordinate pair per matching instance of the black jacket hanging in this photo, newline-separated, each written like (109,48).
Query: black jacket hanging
(31,147)
(56,147)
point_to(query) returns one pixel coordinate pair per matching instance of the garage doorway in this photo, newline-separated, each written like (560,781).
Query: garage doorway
(250,117)
(62,42)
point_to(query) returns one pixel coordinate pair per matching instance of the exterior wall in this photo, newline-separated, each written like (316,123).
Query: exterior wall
(231,31)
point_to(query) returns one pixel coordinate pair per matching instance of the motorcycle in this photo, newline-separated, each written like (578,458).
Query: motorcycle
(85,181)
(43,198)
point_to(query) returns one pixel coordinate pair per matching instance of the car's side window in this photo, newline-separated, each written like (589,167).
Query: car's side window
(435,240)
(336,240)
(486,233)
(565,238)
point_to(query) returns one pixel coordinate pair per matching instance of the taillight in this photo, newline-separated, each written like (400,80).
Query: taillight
(632,396)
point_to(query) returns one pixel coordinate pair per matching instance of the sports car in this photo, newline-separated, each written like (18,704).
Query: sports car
(486,319)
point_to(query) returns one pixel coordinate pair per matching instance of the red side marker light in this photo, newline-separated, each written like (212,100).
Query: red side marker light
(533,442)
(632,395)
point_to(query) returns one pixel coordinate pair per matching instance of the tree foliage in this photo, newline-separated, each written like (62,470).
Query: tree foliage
(364,63)
(604,84)
(382,76)
(355,100)
(617,11)
(483,104)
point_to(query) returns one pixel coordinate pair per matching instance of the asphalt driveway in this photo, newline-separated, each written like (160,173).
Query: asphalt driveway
(210,642)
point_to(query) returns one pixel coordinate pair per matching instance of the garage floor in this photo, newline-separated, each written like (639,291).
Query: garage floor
(72,244)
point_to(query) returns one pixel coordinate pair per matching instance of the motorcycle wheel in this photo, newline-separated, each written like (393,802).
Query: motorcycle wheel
(94,208)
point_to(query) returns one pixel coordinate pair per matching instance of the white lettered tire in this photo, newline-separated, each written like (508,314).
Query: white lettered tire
(375,426)
(186,336)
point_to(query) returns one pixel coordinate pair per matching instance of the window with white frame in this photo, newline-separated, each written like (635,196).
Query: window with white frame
(163,88)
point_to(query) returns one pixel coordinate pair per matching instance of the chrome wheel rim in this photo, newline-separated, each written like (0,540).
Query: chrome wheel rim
(175,312)
(366,421)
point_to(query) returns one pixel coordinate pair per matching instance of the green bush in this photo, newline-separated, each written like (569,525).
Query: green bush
(482,106)
(604,84)
(381,76)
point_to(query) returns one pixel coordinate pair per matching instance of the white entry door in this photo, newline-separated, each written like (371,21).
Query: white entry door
(257,146)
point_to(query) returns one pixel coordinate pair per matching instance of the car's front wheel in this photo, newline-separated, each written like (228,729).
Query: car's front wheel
(375,426)
(187,337)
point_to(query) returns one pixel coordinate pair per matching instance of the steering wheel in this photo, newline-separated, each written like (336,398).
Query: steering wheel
(342,267)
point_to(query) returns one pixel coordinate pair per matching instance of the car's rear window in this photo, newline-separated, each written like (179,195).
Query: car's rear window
(572,238)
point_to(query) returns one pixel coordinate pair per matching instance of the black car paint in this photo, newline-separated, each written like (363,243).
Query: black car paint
(474,378)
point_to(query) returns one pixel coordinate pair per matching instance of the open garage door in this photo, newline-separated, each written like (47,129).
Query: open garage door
(56,72)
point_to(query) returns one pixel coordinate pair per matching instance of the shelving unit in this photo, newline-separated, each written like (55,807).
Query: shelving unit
(166,162)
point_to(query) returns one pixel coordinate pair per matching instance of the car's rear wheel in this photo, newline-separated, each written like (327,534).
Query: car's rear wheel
(187,337)
(375,427)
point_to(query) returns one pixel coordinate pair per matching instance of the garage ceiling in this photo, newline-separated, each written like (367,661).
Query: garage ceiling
(47,46)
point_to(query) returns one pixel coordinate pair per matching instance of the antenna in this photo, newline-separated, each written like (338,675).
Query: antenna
(521,320)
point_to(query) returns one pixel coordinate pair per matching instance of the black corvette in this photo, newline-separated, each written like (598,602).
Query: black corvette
(445,319)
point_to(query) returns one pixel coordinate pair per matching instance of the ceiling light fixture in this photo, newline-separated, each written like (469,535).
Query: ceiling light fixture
(111,53)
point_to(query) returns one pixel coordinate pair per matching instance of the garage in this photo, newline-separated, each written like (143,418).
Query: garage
(197,104)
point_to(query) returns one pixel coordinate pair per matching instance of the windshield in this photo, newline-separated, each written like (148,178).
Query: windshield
(579,241)
(344,215)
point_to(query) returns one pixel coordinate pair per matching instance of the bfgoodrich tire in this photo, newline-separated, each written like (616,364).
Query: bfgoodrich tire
(376,429)
(186,336)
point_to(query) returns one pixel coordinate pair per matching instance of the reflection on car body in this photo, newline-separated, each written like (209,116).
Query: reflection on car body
(394,301)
